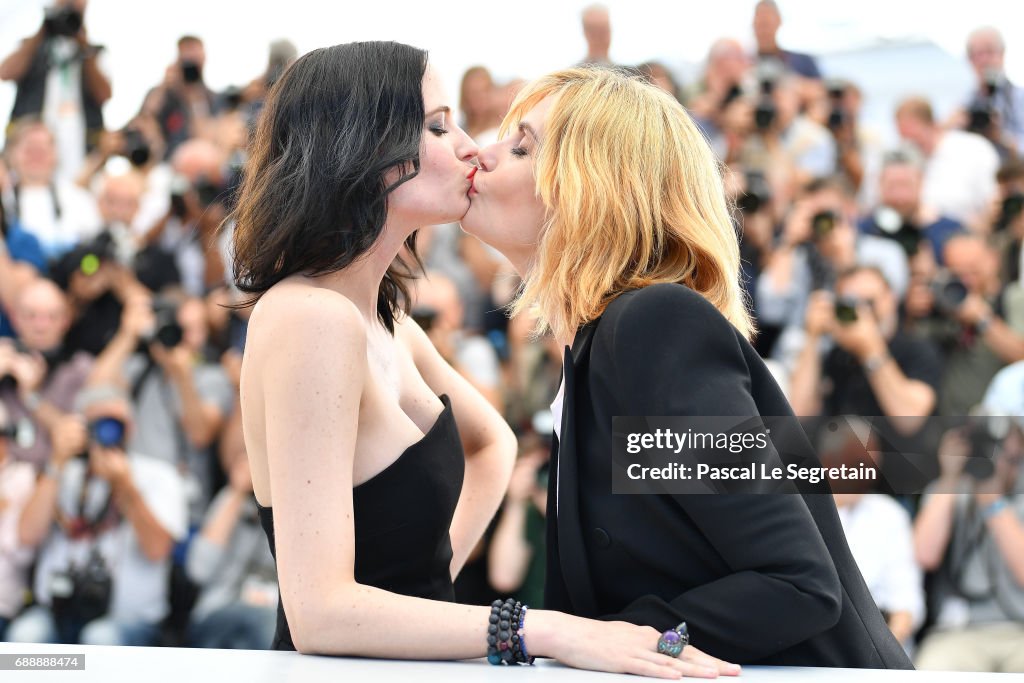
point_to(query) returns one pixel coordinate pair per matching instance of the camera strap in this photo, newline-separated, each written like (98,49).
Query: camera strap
(16,208)
(83,525)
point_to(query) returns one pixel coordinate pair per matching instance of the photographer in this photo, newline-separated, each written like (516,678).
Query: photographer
(973,317)
(780,129)
(17,481)
(39,377)
(767,21)
(970,532)
(179,398)
(141,144)
(959,168)
(59,80)
(900,215)
(189,230)
(996,108)
(57,212)
(873,369)
(183,104)
(818,241)
(106,520)
(1007,220)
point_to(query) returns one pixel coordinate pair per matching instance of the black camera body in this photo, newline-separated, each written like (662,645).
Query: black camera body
(823,223)
(1012,207)
(757,195)
(985,433)
(62,21)
(167,332)
(982,112)
(838,116)
(191,72)
(846,310)
(136,147)
(82,594)
(949,292)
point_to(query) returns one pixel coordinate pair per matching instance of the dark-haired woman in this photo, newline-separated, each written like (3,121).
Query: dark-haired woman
(370,494)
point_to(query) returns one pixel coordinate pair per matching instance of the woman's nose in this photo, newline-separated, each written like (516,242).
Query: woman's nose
(467,148)
(486,158)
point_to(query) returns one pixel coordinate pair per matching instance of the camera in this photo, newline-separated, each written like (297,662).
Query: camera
(837,116)
(1011,208)
(981,113)
(823,223)
(166,332)
(949,292)
(108,432)
(81,594)
(136,147)
(985,433)
(846,310)
(62,21)
(768,72)
(757,195)
(191,72)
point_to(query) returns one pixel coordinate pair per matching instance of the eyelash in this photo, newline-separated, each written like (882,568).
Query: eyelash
(438,129)
(519,151)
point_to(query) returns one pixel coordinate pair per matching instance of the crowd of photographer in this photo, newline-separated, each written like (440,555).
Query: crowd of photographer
(885,283)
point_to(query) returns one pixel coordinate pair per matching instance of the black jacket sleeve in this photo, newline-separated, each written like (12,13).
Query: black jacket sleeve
(674,354)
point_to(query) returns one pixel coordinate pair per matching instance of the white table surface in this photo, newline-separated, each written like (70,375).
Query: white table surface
(178,665)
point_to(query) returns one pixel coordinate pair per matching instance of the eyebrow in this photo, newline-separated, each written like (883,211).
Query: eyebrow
(527,128)
(439,110)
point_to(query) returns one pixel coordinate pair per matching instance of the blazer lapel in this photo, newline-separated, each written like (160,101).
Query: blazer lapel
(571,551)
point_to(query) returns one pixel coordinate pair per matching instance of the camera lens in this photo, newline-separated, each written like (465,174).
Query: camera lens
(846,310)
(823,223)
(191,72)
(108,432)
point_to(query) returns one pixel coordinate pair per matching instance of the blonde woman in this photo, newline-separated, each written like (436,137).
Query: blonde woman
(609,203)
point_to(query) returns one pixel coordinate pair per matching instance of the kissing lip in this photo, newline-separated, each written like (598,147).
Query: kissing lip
(472,173)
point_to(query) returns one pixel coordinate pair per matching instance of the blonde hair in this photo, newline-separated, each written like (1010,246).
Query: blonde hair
(634,197)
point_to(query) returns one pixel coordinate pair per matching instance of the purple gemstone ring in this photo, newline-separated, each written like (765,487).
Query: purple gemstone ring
(672,642)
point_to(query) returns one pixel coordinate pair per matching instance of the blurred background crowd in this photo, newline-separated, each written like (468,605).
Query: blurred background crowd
(884,278)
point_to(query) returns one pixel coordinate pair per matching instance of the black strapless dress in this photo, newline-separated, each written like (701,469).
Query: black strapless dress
(402,517)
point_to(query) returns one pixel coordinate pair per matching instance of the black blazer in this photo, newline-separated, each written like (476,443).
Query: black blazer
(759,579)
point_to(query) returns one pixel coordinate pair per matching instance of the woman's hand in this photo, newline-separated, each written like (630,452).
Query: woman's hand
(614,646)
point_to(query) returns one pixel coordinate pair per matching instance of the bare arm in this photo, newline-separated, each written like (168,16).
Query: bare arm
(154,540)
(1008,531)
(312,360)
(13,68)
(489,443)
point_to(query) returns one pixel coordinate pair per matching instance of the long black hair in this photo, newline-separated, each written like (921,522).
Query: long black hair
(313,196)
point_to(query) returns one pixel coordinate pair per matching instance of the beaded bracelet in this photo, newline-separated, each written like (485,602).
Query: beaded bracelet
(506,640)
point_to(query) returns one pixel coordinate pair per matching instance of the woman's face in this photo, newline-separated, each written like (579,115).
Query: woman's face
(506,212)
(438,194)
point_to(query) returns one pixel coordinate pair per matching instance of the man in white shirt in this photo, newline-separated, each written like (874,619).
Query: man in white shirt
(60,80)
(58,213)
(960,171)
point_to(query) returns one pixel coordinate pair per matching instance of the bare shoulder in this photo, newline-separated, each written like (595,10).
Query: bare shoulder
(294,313)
